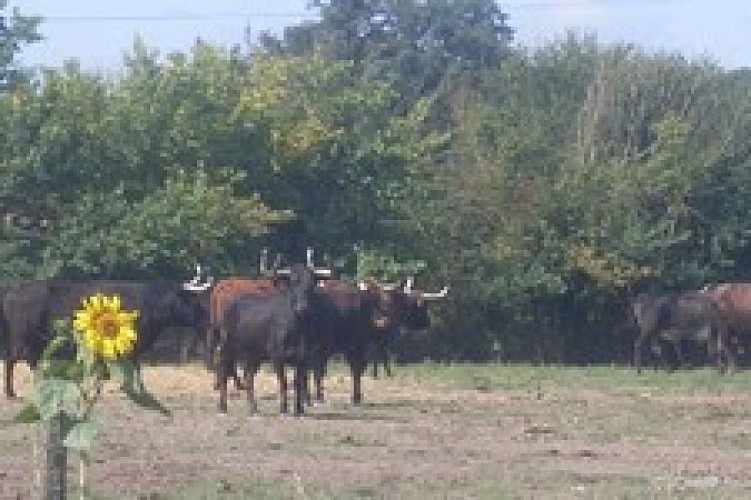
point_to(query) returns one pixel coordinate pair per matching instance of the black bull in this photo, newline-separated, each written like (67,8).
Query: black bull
(678,316)
(29,309)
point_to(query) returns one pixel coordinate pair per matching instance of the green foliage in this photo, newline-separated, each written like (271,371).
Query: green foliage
(184,222)
(16,30)
(338,157)
(81,435)
(374,264)
(543,184)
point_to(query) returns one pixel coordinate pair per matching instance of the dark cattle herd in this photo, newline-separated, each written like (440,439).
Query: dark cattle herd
(300,316)
(716,317)
(296,317)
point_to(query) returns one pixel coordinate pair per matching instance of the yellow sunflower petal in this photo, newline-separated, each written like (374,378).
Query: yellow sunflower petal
(104,328)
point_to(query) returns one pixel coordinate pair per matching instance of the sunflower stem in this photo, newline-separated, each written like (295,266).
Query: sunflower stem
(83,475)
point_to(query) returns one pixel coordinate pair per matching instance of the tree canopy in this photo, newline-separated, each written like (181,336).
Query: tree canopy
(397,137)
(16,31)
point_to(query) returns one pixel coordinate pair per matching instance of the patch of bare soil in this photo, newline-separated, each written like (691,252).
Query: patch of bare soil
(404,432)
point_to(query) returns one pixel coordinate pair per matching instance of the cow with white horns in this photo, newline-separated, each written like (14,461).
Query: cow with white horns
(405,311)
(353,319)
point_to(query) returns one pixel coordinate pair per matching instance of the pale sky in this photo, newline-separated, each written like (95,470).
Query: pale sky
(98,32)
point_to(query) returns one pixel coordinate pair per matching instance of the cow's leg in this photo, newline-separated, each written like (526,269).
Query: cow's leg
(724,349)
(723,356)
(9,364)
(308,392)
(317,363)
(376,357)
(678,360)
(387,362)
(250,375)
(212,336)
(188,345)
(239,385)
(319,372)
(637,353)
(729,356)
(217,379)
(358,363)
(222,375)
(714,352)
(215,355)
(301,388)
(282,378)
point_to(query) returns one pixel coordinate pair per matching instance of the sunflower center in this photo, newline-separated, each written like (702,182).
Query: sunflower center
(107,325)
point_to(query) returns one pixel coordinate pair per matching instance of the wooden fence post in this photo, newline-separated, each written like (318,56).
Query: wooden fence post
(56,466)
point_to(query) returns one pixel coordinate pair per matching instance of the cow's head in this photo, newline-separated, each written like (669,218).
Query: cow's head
(378,304)
(300,280)
(405,307)
(185,305)
(174,306)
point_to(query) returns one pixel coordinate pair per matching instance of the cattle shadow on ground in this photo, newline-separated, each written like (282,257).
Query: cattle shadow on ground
(398,404)
(362,416)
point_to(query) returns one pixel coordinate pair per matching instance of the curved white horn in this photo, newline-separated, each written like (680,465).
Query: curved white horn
(193,287)
(435,295)
(262,264)
(277,260)
(387,287)
(197,278)
(322,272)
(409,285)
(309,257)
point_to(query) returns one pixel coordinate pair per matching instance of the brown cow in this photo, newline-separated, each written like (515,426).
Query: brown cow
(734,301)
(222,296)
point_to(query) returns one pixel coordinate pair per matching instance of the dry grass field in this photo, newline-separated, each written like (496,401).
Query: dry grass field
(460,431)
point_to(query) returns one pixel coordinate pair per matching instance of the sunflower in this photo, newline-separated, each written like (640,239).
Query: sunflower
(104,328)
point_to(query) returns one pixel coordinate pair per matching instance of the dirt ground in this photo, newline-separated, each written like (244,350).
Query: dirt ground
(419,435)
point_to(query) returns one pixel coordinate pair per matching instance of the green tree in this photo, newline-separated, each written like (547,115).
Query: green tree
(16,30)
(337,155)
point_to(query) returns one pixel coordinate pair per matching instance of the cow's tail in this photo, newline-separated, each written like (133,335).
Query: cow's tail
(212,343)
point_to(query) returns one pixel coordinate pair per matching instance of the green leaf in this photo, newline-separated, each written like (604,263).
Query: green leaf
(54,394)
(81,436)
(146,400)
(65,370)
(28,415)
(55,345)
(133,388)
(124,371)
